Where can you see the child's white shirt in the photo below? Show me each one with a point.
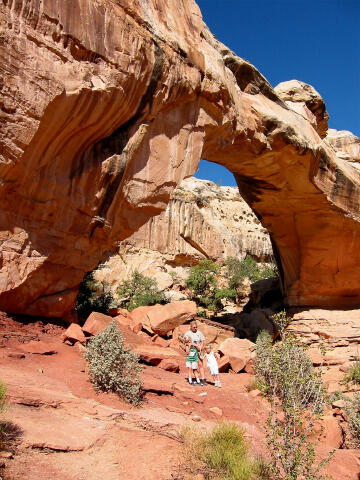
(212, 363)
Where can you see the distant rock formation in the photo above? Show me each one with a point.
(346, 146)
(107, 106)
(203, 220)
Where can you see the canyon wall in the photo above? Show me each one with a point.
(203, 220)
(106, 106)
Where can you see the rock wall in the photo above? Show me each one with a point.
(107, 106)
(203, 220)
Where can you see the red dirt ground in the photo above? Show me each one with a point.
(72, 433)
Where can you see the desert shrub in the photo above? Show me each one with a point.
(296, 394)
(112, 366)
(10, 432)
(281, 322)
(93, 296)
(353, 374)
(352, 410)
(237, 270)
(221, 453)
(201, 280)
(228, 293)
(139, 291)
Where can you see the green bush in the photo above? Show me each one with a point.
(294, 388)
(237, 270)
(93, 296)
(139, 291)
(352, 410)
(353, 374)
(281, 322)
(201, 280)
(224, 293)
(221, 454)
(112, 366)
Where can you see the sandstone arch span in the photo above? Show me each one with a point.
(107, 105)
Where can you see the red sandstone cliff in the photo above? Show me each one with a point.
(107, 106)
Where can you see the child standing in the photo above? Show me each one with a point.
(212, 365)
(192, 358)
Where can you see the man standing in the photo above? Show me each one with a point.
(198, 340)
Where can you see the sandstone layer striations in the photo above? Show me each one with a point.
(204, 220)
(107, 106)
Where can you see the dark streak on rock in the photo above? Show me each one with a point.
(249, 79)
(250, 189)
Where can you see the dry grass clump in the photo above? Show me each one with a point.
(221, 454)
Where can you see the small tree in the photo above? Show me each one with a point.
(112, 366)
(139, 291)
(202, 278)
(93, 296)
(296, 395)
(237, 270)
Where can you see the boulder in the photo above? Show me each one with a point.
(160, 341)
(123, 321)
(154, 385)
(74, 334)
(39, 348)
(163, 280)
(164, 318)
(223, 363)
(153, 354)
(239, 352)
(96, 322)
(134, 325)
(170, 364)
(139, 315)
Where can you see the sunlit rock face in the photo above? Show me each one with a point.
(107, 106)
(346, 146)
(204, 220)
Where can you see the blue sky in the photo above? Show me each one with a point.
(317, 42)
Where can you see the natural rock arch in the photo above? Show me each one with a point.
(107, 106)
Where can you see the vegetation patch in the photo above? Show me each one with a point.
(93, 296)
(237, 270)
(221, 454)
(202, 282)
(296, 394)
(112, 366)
(353, 374)
(139, 291)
